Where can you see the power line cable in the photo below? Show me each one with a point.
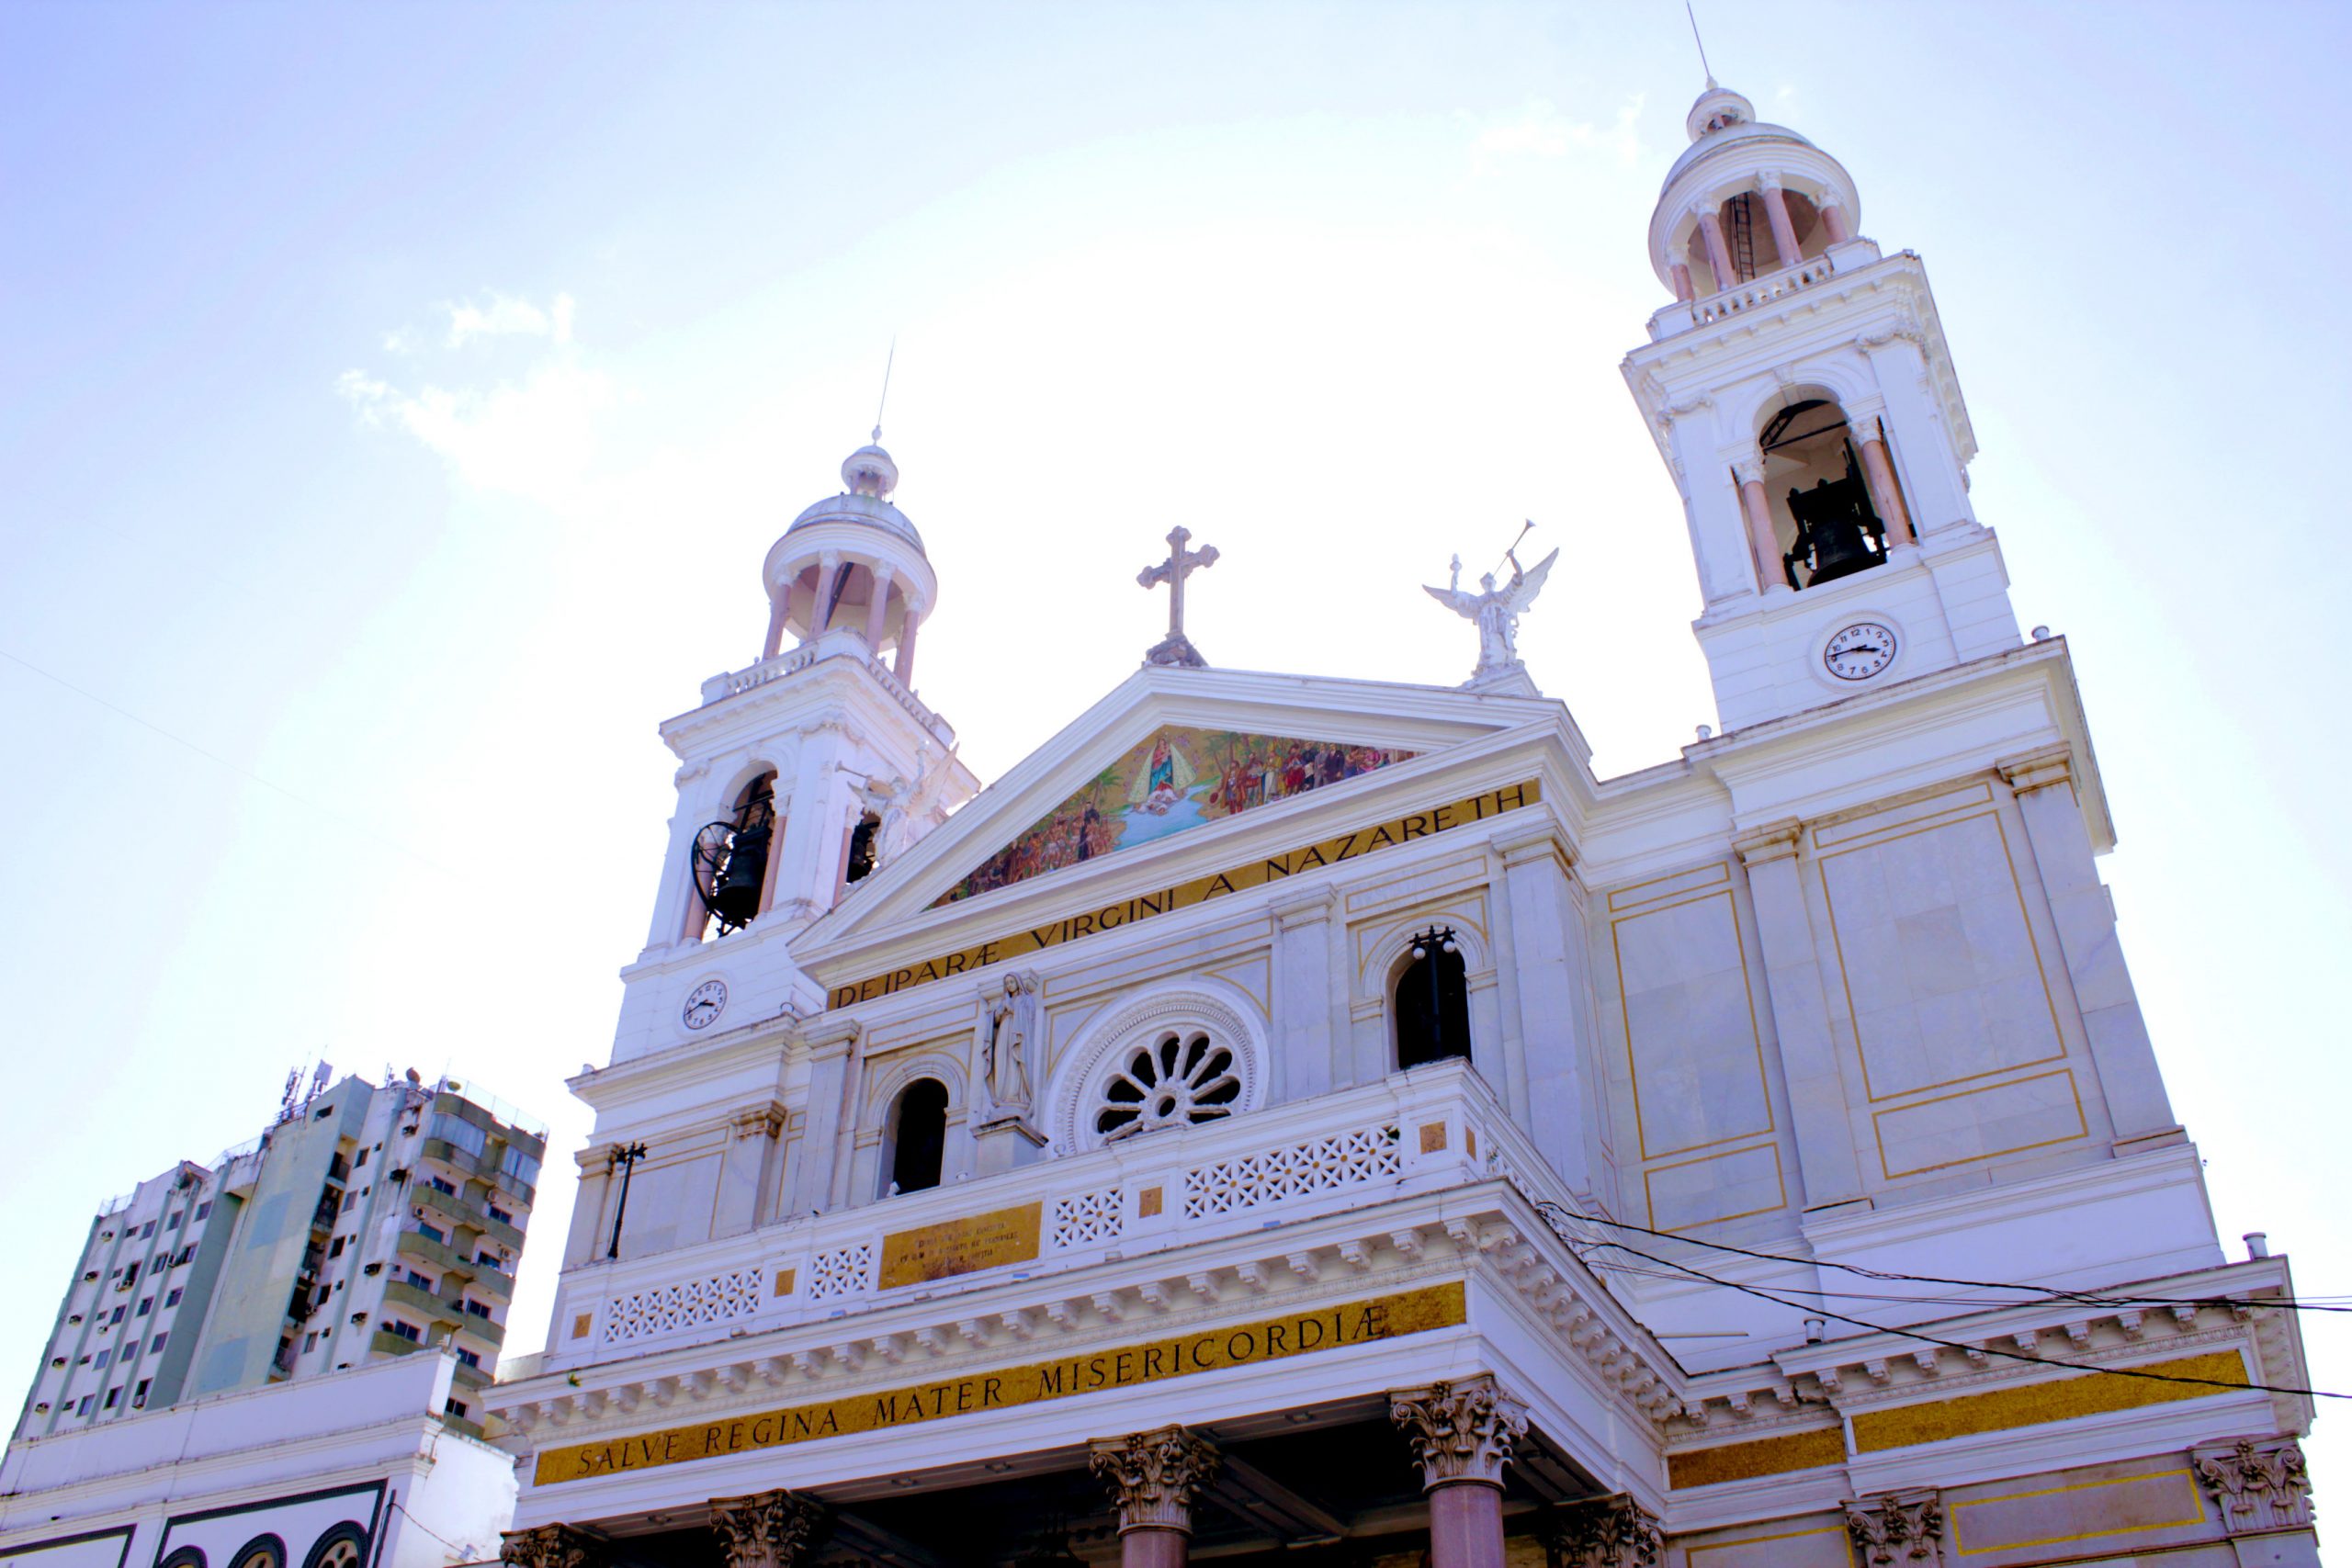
(2055, 1293)
(1553, 1213)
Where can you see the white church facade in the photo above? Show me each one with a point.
(1318, 1121)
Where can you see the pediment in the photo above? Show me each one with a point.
(1170, 756)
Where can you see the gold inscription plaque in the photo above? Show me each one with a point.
(1185, 894)
(1125, 1366)
(961, 1246)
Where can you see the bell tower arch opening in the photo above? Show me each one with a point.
(734, 862)
(1824, 523)
(1431, 995)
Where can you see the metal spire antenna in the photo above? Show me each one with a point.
(883, 402)
(1700, 41)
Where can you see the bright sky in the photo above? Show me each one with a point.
(398, 400)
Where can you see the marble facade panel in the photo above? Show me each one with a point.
(1979, 1123)
(1727, 1185)
(1692, 1043)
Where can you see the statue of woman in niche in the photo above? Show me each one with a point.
(1008, 1024)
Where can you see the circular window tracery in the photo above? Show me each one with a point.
(1179, 1080)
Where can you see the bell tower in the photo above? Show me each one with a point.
(800, 774)
(1800, 392)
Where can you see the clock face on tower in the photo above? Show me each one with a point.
(1859, 652)
(704, 1004)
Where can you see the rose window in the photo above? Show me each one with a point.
(1182, 1079)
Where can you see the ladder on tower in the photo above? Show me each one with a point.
(1743, 236)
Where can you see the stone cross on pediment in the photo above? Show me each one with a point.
(1175, 648)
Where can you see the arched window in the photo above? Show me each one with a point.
(917, 1135)
(1432, 1001)
(1820, 503)
(732, 859)
(344, 1546)
(262, 1551)
(862, 848)
(1182, 1077)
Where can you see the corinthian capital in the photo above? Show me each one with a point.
(550, 1546)
(1460, 1431)
(2259, 1484)
(1603, 1532)
(1906, 1527)
(1154, 1475)
(766, 1530)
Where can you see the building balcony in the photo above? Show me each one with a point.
(434, 1309)
(466, 1163)
(459, 1214)
(1434, 1129)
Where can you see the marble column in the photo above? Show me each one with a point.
(1678, 274)
(904, 668)
(1756, 509)
(878, 609)
(1711, 229)
(747, 1170)
(1776, 212)
(1878, 473)
(1833, 220)
(552, 1546)
(1155, 1476)
(2043, 784)
(829, 573)
(1613, 1531)
(1303, 1017)
(777, 600)
(1800, 1003)
(1462, 1433)
(766, 1530)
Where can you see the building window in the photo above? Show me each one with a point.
(476, 1307)
(404, 1330)
(174, 1299)
(444, 1187)
(433, 1233)
(203, 1208)
(523, 1167)
(84, 1408)
(155, 1346)
(146, 1304)
(345, 1546)
(503, 1216)
(262, 1551)
(171, 1220)
(349, 1199)
(113, 1396)
(118, 1316)
(360, 1161)
(1177, 1080)
(1432, 1001)
(139, 1394)
(917, 1135)
(466, 1356)
(309, 1341)
(103, 1357)
(335, 1248)
(454, 1407)
(146, 1230)
(419, 1280)
(187, 1255)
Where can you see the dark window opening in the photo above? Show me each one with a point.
(732, 859)
(917, 1135)
(860, 848)
(1810, 458)
(1433, 1001)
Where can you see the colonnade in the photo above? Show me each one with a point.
(1461, 1433)
(1774, 197)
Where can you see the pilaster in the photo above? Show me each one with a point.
(552, 1546)
(1553, 1099)
(2260, 1484)
(1301, 998)
(814, 1170)
(747, 1169)
(2043, 783)
(1902, 1529)
(1800, 1004)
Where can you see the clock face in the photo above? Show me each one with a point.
(1860, 652)
(704, 1004)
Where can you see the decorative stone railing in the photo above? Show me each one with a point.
(836, 644)
(1770, 290)
(1436, 1128)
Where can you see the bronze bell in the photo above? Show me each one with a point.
(735, 898)
(1838, 533)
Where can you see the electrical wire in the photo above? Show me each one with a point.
(2048, 1292)
(1554, 1213)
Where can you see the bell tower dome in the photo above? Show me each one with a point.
(1799, 389)
(801, 774)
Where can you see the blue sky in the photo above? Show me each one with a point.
(398, 400)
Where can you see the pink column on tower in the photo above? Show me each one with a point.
(1155, 1476)
(1886, 496)
(777, 600)
(1462, 1433)
(1754, 505)
(1710, 228)
(904, 667)
(1833, 220)
(876, 609)
(1680, 274)
(1776, 212)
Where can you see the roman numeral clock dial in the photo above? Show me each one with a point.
(1859, 652)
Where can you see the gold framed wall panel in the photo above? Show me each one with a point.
(1693, 1193)
(1879, 1082)
(1714, 874)
(1953, 1130)
(1848, 828)
(1376, 895)
(2054, 1516)
(1821, 1546)
(1666, 1051)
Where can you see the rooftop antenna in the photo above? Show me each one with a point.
(1701, 43)
(885, 384)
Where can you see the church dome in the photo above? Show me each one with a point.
(871, 475)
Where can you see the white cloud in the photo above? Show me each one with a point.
(1541, 131)
(532, 434)
(506, 315)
